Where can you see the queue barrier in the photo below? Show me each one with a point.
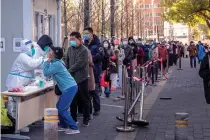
(133, 92)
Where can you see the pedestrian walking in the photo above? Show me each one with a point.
(192, 53)
(93, 44)
(77, 64)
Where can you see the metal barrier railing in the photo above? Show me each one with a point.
(133, 89)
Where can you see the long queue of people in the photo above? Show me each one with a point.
(87, 63)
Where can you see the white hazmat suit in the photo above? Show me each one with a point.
(22, 71)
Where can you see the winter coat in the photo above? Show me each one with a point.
(204, 73)
(77, 63)
(128, 55)
(121, 56)
(97, 53)
(192, 50)
(91, 79)
(201, 52)
(114, 64)
(163, 53)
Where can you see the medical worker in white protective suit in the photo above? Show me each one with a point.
(22, 73)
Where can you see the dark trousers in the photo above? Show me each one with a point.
(83, 97)
(193, 61)
(170, 59)
(95, 100)
(175, 57)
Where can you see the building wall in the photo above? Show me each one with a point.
(147, 10)
(51, 7)
(11, 27)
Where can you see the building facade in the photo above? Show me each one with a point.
(25, 19)
(152, 21)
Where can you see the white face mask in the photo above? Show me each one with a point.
(125, 43)
(106, 45)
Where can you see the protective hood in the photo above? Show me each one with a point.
(44, 40)
(26, 47)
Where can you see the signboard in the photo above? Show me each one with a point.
(2, 44)
(17, 42)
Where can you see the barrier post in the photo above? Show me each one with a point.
(125, 127)
(181, 126)
(50, 124)
(180, 63)
(123, 82)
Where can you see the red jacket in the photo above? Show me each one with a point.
(162, 53)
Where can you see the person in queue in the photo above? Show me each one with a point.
(93, 44)
(204, 73)
(134, 47)
(128, 56)
(91, 83)
(22, 73)
(192, 53)
(163, 53)
(108, 52)
(121, 57)
(55, 67)
(77, 64)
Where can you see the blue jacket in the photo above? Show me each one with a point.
(56, 68)
(96, 50)
(201, 52)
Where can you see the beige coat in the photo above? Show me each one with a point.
(91, 79)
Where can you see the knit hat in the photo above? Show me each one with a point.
(58, 52)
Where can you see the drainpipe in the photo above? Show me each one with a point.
(58, 22)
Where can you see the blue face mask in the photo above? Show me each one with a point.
(33, 51)
(46, 48)
(73, 43)
(86, 37)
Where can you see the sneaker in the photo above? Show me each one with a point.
(72, 132)
(79, 115)
(60, 129)
(86, 123)
(96, 113)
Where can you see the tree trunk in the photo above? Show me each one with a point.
(103, 21)
(86, 14)
(121, 20)
(127, 20)
(112, 24)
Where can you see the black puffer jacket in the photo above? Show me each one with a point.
(204, 73)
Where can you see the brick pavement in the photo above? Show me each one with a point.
(186, 89)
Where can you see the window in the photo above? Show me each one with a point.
(43, 25)
(146, 5)
(158, 14)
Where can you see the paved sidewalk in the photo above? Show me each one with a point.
(186, 89)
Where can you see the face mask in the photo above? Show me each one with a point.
(106, 45)
(125, 43)
(33, 51)
(139, 41)
(73, 43)
(46, 48)
(86, 37)
(131, 42)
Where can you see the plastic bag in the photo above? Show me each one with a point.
(7, 122)
(104, 83)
